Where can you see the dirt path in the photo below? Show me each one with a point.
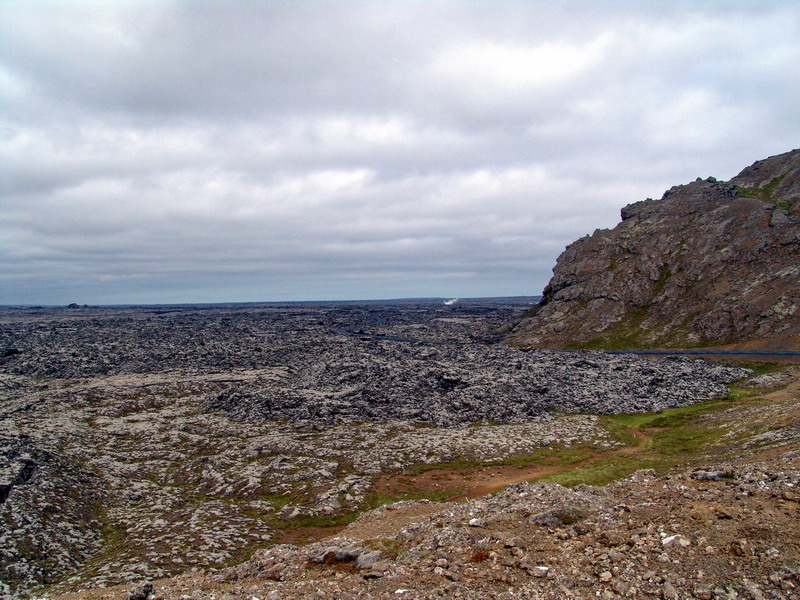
(644, 443)
(498, 481)
(480, 481)
(476, 482)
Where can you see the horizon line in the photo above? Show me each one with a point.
(76, 305)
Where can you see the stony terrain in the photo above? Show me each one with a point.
(725, 529)
(709, 264)
(138, 443)
(456, 385)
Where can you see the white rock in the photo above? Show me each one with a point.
(676, 540)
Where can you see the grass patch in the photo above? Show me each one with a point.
(599, 473)
(667, 439)
(305, 528)
(277, 500)
(759, 367)
(113, 537)
(629, 334)
(458, 464)
(374, 499)
(623, 335)
(736, 393)
(766, 193)
(561, 458)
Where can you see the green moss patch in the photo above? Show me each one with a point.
(667, 439)
(765, 193)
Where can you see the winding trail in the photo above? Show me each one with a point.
(475, 482)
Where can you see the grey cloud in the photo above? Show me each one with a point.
(188, 151)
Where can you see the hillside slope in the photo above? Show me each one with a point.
(721, 524)
(709, 264)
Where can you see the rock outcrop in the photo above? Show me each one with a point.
(709, 264)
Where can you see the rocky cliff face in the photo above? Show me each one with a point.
(710, 264)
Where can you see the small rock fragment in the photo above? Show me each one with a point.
(676, 540)
(141, 592)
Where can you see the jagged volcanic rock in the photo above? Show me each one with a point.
(47, 520)
(709, 264)
(141, 442)
(456, 385)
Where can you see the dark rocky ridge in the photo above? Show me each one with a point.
(709, 264)
(456, 385)
(453, 374)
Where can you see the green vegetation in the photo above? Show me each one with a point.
(622, 335)
(304, 528)
(114, 537)
(760, 368)
(662, 440)
(629, 334)
(736, 393)
(278, 501)
(765, 193)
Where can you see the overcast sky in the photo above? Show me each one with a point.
(255, 150)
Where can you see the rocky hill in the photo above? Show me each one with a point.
(709, 264)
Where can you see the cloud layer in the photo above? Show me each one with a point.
(245, 151)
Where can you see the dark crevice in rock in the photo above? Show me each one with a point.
(26, 473)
